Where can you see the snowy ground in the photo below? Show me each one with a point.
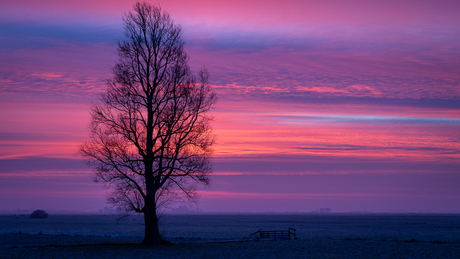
(223, 236)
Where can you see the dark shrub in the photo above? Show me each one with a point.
(39, 214)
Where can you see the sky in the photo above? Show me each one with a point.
(348, 105)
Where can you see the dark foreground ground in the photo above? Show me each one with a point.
(226, 236)
(52, 246)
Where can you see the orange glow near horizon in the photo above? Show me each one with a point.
(264, 134)
(242, 133)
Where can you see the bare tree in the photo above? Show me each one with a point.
(150, 133)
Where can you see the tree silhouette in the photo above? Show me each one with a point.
(150, 133)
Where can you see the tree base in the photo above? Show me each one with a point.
(161, 243)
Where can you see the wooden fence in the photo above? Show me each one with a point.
(276, 234)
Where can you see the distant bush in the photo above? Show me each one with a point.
(39, 214)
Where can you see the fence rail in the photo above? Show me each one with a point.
(276, 234)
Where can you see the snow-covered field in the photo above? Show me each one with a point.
(319, 236)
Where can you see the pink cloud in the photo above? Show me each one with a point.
(321, 89)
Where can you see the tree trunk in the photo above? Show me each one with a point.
(152, 232)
